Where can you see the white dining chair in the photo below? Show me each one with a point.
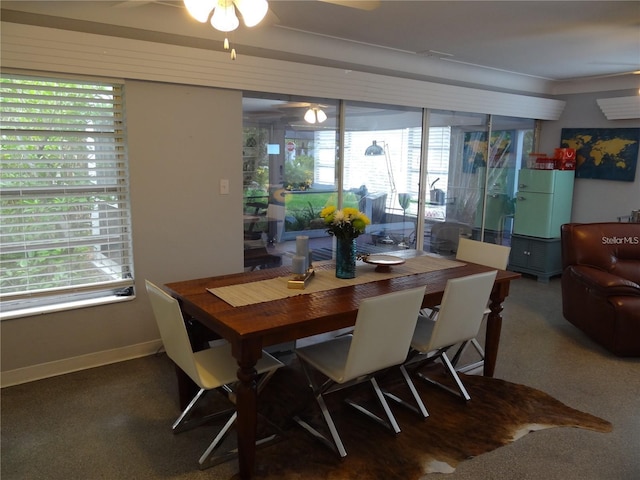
(212, 369)
(482, 253)
(458, 320)
(490, 255)
(380, 340)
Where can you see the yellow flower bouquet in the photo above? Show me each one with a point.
(347, 223)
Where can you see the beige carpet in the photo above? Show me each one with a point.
(498, 413)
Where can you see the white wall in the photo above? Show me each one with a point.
(182, 140)
(594, 200)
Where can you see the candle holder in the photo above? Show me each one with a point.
(299, 281)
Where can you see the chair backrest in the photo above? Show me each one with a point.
(383, 331)
(611, 247)
(445, 236)
(482, 253)
(462, 309)
(173, 330)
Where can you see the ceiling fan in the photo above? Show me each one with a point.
(222, 16)
(358, 4)
(299, 105)
(315, 112)
(140, 3)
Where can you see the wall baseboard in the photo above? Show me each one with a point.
(83, 362)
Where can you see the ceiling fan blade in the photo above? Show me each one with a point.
(132, 3)
(141, 3)
(359, 4)
(293, 105)
(300, 105)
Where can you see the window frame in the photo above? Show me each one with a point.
(66, 153)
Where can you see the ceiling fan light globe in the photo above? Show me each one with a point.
(320, 115)
(200, 9)
(252, 11)
(224, 17)
(310, 116)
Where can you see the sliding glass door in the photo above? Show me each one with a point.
(289, 166)
(457, 148)
(381, 173)
(420, 189)
(511, 142)
(472, 166)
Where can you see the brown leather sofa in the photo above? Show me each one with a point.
(601, 283)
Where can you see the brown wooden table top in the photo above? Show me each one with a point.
(295, 317)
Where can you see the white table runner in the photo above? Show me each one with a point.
(325, 279)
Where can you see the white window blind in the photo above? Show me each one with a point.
(65, 235)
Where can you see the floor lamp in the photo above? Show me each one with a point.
(404, 199)
(375, 150)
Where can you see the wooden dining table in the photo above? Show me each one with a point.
(252, 327)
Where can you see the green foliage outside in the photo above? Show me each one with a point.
(254, 147)
(303, 209)
(298, 173)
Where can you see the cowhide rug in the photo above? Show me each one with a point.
(499, 412)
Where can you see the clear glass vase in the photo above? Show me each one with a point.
(345, 257)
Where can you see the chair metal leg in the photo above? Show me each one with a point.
(461, 392)
(337, 444)
(207, 459)
(392, 424)
(262, 382)
(330, 386)
(477, 346)
(421, 409)
(430, 312)
(184, 422)
(471, 366)
(454, 375)
(456, 357)
(180, 424)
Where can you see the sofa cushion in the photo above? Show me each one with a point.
(604, 283)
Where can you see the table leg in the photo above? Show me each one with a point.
(247, 408)
(494, 327)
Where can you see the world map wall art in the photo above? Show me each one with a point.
(604, 153)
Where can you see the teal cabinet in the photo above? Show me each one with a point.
(541, 257)
(543, 202)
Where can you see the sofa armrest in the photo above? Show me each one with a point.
(602, 283)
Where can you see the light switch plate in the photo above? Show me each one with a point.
(224, 186)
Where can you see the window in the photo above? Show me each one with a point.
(289, 167)
(382, 148)
(65, 231)
(462, 180)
